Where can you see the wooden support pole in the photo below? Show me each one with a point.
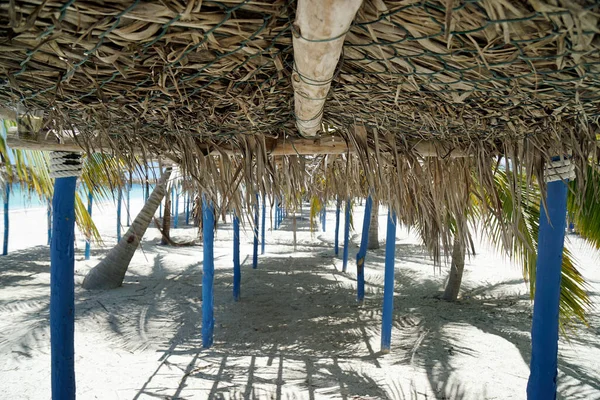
(6, 219)
(176, 214)
(208, 268)
(255, 230)
(88, 239)
(362, 252)
(337, 227)
(187, 209)
(49, 218)
(62, 289)
(264, 223)
(346, 236)
(172, 201)
(388, 285)
(276, 224)
(119, 204)
(324, 218)
(147, 186)
(237, 271)
(544, 330)
(129, 186)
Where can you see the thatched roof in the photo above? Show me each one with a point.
(504, 77)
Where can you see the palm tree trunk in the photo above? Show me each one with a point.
(373, 241)
(110, 272)
(166, 222)
(456, 270)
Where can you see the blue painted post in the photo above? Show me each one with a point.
(279, 214)
(187, 209)
(324, 218)
(119, 200)
(89, 239)
(6, 219)
(255, 249)
(62, 289)
(172, 203)
(128, 200)
(160, 209)
(337, 228)
(208, 232)
(147, 184)
(264, 222)
(49, 217)
(362, 252)
(237, 272)
(346, 236)
(388, 285)
(544, 330)
(276, 224)
(176, 215)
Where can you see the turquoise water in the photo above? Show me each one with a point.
(22, 199)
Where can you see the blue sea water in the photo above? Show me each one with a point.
(20, 199)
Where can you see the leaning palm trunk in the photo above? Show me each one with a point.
(456, 269)
(373, 242)
(110, 273)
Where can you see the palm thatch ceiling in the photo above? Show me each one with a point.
(459, 71)
(491, 78)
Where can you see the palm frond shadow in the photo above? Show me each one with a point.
(295, 300)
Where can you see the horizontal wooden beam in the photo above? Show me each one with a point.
(283, 147)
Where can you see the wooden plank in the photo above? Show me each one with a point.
(283, 147)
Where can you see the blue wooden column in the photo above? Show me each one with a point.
(172, 203)
(237, 271)
(255, 230)
(324, 218)
(187, 209)
(62, 273)
(337, 228)
(128, 200)
(276, 218)
(544, 330)
(346, 236)
(388, 285)
(119, 202)
(264, 223)
(176, 215)
(362, 252)
(89, 238)
(49, 217)
(208, 268)
(6, 219)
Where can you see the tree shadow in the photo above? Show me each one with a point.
(275, 334)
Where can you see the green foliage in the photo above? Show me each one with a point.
(584, 207)
(522, 246)
(315, 209)
(30, 169)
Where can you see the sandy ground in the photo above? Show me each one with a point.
(297, 332)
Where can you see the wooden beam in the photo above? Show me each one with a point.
(283, 147)
(318, 38)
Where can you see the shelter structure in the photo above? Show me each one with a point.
(415, 104)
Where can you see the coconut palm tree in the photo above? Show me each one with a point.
(373, 241)
(110, 272)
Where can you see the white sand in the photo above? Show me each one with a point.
(297, 332)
